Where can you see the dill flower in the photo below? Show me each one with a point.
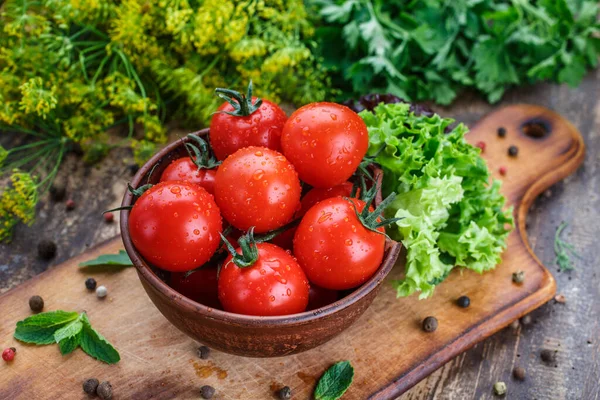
(36, 99)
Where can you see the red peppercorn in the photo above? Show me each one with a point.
(70, 204)
(481, 145)
(9, 354)
(109, 217)
(502, 171)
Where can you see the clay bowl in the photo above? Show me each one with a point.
(241, 334)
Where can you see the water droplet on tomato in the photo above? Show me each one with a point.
(258, 174)
(262, 272)
(288, 292)
(258, 153)
(271, 298)
(175, 214)
(196, 231)
(348, 242)
(175, 189)
(333, 116)
(324, 217)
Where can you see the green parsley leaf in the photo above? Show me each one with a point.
(94, 344)
(563, 250)
(121, 259)
(335, 381)
(40, 328)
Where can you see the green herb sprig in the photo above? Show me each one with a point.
(335, 381)
(70, 331)
(121, 259)
(563, 250)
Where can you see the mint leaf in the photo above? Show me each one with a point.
(120, 259)
(335, 381)
(40, 328)
(70, 330)
(94, 344)
(68, 345)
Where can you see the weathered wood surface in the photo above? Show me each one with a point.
(566, 327)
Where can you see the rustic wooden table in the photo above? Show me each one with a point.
(571, 328)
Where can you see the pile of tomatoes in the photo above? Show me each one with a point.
(270, 223)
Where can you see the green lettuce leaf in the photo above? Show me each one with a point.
(451, 214)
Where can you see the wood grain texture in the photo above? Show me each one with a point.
(389, 351)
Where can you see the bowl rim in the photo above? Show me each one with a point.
(392, 249)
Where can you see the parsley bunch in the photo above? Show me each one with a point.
(434, 49)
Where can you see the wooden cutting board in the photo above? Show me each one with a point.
(387, 347)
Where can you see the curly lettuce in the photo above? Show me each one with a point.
(451, 214)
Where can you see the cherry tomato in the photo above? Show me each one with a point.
(316, 195)
(229, 133)
(325, 142)
(200, 286)
(274, 285)
(319, 297)
(183, 169)
(257, 187)
(175, 225)
(334, 248)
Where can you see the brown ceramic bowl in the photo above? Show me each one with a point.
(238, 334)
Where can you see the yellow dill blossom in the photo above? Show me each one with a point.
(89, 121)
(248, 48)
(210, 22)
(17, 203)
(287, 57)
(153, 129)
(142, 150)
(36, 99)
(122, 94)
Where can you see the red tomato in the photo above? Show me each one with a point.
(175, 225)
(274, 285)
(326, 142)
(319, 297)
(229, 133)
(183, 169)
(316, 195)
(333, 247)
(257, 187)
(200, 286)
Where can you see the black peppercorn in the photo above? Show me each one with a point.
(104, 391)
(58, 192)
(285, 393)
(90, 385)
(46, 249)
(90, 284)
(430, 324)
(513, 151)
(463, 301)
(548, 356)
(204, 352)
(518, 277)
(36, 303)
(519, 373)
(207, 392)
(501, 132)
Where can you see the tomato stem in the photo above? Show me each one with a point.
(247, 243)
(202, 156)
(242, 104)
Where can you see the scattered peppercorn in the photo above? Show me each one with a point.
(101, 292)
(502, 171)
(548, 356)
(58, 192)
(36, 303)
(560, 298)
(104, 390)
(526, 320)
(518, 277)
(70, 204)
(204, 352)
(9, 354)
(463, 301)
(90, 283)
(499, 388)
(481, 145)
(285, 393)
(207, 392)
(46, 249)
(109, 217)
(501, 132)
(90, 385)
(513, 151)
(430, 324)
(519, 373)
